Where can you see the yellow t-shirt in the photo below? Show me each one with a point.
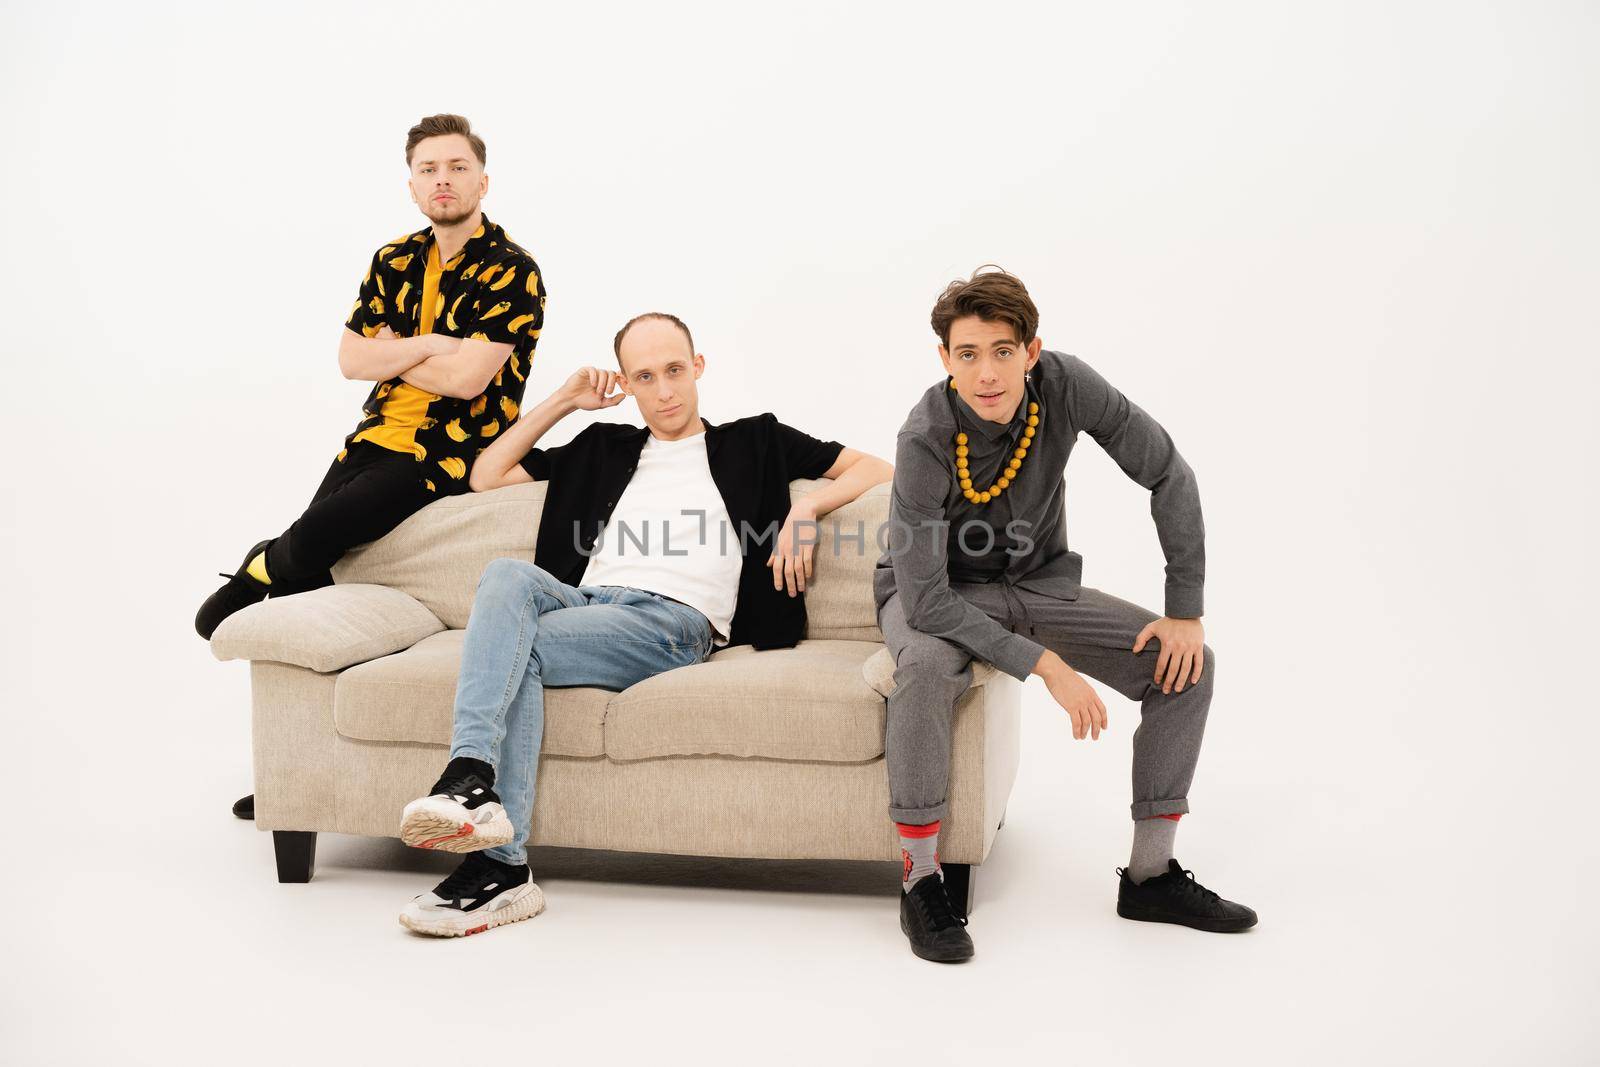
(406, 406)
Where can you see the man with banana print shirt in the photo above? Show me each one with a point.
(444, 326)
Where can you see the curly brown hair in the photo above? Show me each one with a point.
(993, 296)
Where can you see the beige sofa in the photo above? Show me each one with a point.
(775, 754)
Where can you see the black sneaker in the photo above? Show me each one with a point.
(461, 813)
(240, 591)
(482, 893)
(929, 920)
(245, 807)
(1175, 897)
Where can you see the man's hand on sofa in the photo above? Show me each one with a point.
(851, 475)
(1075, 695)
(797, 541)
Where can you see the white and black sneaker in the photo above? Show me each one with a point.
(482, 893)
(462, 813)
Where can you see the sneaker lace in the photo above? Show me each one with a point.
(1195, 887)
(935, 904)
(460, 786)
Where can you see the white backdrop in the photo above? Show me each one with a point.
(1346, 255)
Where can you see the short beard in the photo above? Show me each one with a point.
(445, 218)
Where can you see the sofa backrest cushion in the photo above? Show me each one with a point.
(839, 605)
(438, 554)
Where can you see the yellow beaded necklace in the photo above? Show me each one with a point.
(1008, 474)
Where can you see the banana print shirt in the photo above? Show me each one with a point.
(492, 291)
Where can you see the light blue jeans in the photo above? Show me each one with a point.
(527, 631)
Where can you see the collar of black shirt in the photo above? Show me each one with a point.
(972, 422)
(638, 435)
(476, 245)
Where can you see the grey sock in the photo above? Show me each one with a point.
(920, 853)
(1152, 847)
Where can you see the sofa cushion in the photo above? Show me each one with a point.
(804, 703)
(410, 696)
(325, 629)
(839, 604)
(880, 666)
(438, 554)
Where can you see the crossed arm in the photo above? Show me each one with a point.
(433, 362)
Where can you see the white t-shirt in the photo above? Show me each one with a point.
(670, 534)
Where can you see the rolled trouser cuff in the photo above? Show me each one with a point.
(919, 816)
(1149, 809)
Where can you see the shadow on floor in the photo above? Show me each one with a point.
(337, 852)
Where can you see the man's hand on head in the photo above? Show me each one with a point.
(791, 556)
(590, 389)
(1182, 651)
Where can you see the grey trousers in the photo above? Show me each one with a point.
(1095, 635)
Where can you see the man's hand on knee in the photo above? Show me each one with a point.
(1182, 655)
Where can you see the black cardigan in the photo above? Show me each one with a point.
(752, 462)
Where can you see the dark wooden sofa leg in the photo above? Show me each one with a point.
(297, 854)
(958, 883)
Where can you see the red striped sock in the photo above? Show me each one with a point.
(919, 850)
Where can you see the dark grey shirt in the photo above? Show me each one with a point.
(936, 536)
(987, 535)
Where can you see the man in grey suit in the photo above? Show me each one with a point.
(978, 568)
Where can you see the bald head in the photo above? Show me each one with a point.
(655, 330)
(659, 370)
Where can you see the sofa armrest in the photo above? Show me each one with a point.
(878, 671)
(326, 629)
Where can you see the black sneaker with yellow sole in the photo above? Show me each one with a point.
(239, 591)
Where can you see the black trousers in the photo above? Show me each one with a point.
(370, 493)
